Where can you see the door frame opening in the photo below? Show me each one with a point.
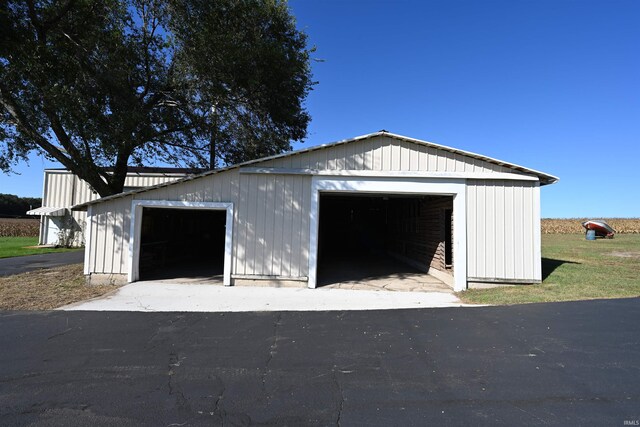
(136, 229)
(401, 185)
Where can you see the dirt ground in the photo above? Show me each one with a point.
(47, 289)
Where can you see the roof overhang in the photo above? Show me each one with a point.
(48, 211)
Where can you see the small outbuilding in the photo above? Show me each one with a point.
(300, 217)
(62, 190)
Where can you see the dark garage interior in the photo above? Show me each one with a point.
(363, 236)
(182, 243)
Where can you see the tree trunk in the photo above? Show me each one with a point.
(212, 152)
(214, 137)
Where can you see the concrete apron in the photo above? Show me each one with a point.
(400, 282)
(211, 296)
(403, 282)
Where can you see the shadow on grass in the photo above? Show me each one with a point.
(549, 265)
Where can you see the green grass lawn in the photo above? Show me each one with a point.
(17, 246)
(575, 269)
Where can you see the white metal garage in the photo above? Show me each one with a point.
(463, 217)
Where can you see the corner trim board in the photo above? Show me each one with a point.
(88, 240)
(537, 239)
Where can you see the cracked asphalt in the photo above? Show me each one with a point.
(561, 363)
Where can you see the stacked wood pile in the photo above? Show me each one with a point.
(574, 225)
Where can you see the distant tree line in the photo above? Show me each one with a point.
(12, 206)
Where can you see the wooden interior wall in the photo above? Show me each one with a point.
(416, 230)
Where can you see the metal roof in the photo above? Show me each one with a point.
(144, 170)
(48, 211)
(543, 177)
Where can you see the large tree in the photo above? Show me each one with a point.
(196, 83)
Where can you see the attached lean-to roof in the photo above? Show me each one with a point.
(48, 211)
(543, 177)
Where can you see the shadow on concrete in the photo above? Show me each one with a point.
(196, 269)
(345, 266)
(549, 265)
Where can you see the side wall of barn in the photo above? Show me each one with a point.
(63, 189)
(503, 231)
(270, 233)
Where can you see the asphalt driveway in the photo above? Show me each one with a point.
(24, 264)
(559, 364)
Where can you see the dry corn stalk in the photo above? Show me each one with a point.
(19, 227)
(574, 225)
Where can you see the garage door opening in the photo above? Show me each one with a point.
(372, 237)
(182, 244)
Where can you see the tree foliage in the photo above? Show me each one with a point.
(193, 83)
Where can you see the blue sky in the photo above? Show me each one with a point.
(550, 85)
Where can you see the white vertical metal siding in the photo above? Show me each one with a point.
(501, 230)
(108, 249)
(384, 153)
(271, 211)
(271, 235)
(64, 189)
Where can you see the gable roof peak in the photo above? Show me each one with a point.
(543, 177)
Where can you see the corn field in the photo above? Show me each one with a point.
(574, 225)
(18, 227)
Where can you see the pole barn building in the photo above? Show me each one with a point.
(464, 218)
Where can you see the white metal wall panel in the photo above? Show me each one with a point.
(64, 189)
(271, 231)
(501, 229)
(108, 249)
(385, 154)
(57, 189)
(141, 179)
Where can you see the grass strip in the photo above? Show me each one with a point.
(574, 269)
(19, 246)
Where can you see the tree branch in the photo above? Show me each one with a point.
(169, 131)
(147, 40)
(184, 146)
(63, 11)
(61, 134)
(33, 16)
(21, 122)
(88, 172)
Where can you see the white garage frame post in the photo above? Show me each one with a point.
(136, 227)
(373, 185)
(88, 239)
